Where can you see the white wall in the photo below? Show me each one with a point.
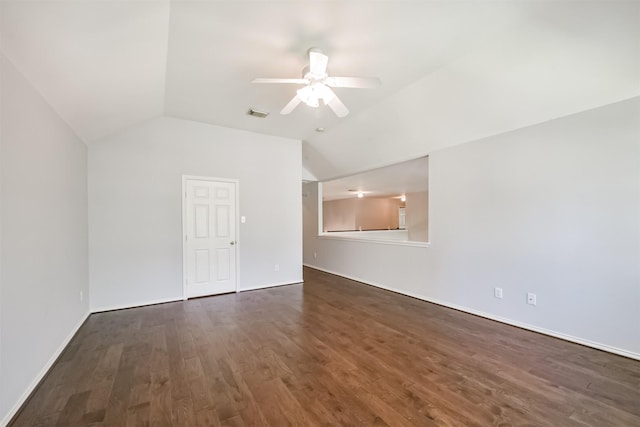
(135, 207)
(417, 216)
(383, 236)
(307, 176)
(551, 209)
(44, 237)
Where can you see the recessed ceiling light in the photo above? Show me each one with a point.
(360, 194)
(319, 129)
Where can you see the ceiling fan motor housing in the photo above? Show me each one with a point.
(318, 85)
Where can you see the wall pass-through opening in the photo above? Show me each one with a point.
(385, 204)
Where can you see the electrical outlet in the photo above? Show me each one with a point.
(531, 298)
(81, 296)
(497, 292)
(315, 255)
(276, 267)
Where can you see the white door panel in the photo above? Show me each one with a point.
(210, 241)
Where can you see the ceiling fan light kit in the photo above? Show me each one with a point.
(318, 85)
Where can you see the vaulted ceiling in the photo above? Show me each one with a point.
(452, 71)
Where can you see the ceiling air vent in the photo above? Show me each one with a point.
(256, 113)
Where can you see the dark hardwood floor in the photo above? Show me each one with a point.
(331, 352)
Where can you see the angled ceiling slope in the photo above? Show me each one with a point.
(492, 66)
(101, 65)
(566, 57)
(217, 48)
(105, 66)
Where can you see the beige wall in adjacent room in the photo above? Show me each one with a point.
(417, 216)
(370, 213)
(377, 214)
(339, 215)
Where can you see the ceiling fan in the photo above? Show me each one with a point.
(318, 85)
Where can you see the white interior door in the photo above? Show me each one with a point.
(402, 219)
(210, 237)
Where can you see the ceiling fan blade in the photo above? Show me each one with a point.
(334, 103)
(269, 80)
(291, 105)
(355, 82)
(317, 62)
(338, 107)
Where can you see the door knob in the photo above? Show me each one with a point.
(232, 243)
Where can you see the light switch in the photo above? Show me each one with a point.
(243, 219)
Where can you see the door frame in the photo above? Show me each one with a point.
(184, 226)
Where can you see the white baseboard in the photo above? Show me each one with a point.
(43, 372)
(135, 304)
(175, 299)
(273, 285)
(555, 334)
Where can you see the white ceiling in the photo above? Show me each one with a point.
(401, 178)
(490, 65)
(100, 64)
(217, 48)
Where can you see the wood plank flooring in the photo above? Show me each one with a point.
(331, 352)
